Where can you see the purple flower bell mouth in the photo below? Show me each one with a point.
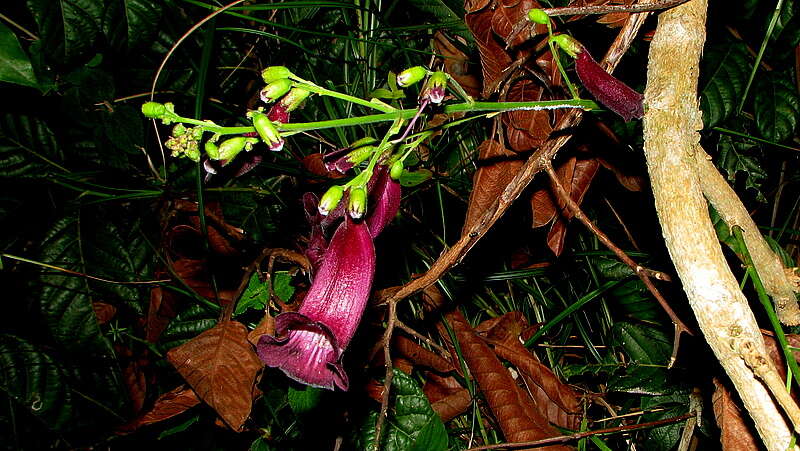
(308, 344)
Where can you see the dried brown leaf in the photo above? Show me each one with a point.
(456, 64)
(559, 402)
(735, 434)
(575, 176)
(630, 182)
(514, 410)
(494, 58)
(221, 367)
(421, 356)
(314, 164)
(496, 168)
(508, 13)
(439, 387)
(265, 327)
(168, 405)
(453, 405)
(103, 311)
(525, 129)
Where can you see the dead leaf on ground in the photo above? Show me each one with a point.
(496, 168)
(103, 311)
(735, 434)
(168, 405)
(221, 367)
(507, 13)
(494, 58)
(559, 402)
(420, 356)
(314, 164)
(514, 410)
(456, 64)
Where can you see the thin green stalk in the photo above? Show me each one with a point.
(571, 309)
(753, 138)
(760, 55)
(764, 298)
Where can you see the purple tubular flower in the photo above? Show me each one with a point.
(384, 201)
(308, 344)
(608, 90)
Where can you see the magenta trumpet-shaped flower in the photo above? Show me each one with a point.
(308, 344)
(384, 200)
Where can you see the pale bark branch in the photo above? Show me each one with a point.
(671, 136)
(767, 264)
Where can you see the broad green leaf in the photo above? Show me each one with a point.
(725, 70)
(411, 423)
(777, 107)
(414, 178)
(33, 380)
(737, 156)
(612, 268)
(304, 399)
(674, 403)
(187, 325)
(633, 300)
(67, 27)
(65, 301)
(15, 66)
(648, 351)
(450, 14)
(131, 22)
(256, 295)
(28, 148)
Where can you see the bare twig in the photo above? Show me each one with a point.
(643, 273)
(580, 435)
(387, 381)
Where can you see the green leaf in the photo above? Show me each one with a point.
(450, 14)
(648, 351)
(674, 403)
(612, 268)
(131, 23)
(27, 148)
(15, 66)
(777, 107)
(411, 423)
(186, 325)
(633, 300)
(725, 70)
(33, 380)
(305, 399)
(67, 27)
(256, 295)
(414, 178)
(785, 19)
(65, 301)
(737, 156)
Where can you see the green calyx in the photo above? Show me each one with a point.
(568, 44)
(275, 90)
(396, 170)
(294, 98)
(211, 150)
(411, 75)
(358, 202)
(330, 199)
(265, 128)
(232, 146)
(538, 16)
(153, 110)
(274, 73)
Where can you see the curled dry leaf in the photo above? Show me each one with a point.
(494, 58)
(103, 311)
(314, 164)
(514, 410)
(496, 168)
(559, 402)
(456, 64)
(453, 405)
(221, 367)
(507, 13)
(735, 434)
(421, 356)
(168, 405)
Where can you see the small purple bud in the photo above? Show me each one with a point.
(434, 88)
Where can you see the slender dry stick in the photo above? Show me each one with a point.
(580, 435)
(640, 271)
(387, 381)
(404, 327)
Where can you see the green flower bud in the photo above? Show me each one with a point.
(193, 152)
(538, 16)
(178, 130)
(294, 98)
(434, 88)
(153, 110)
(360, 154)
(275, 90)
(568, 44)
(363, 142)
(396, 170)
(330, 199)
(411, 75)
(266, 130)
(212, 150)
(232, 146)
(358, 202)
(274, 73)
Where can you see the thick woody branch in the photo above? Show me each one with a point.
(671, 137)
(732, 211)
